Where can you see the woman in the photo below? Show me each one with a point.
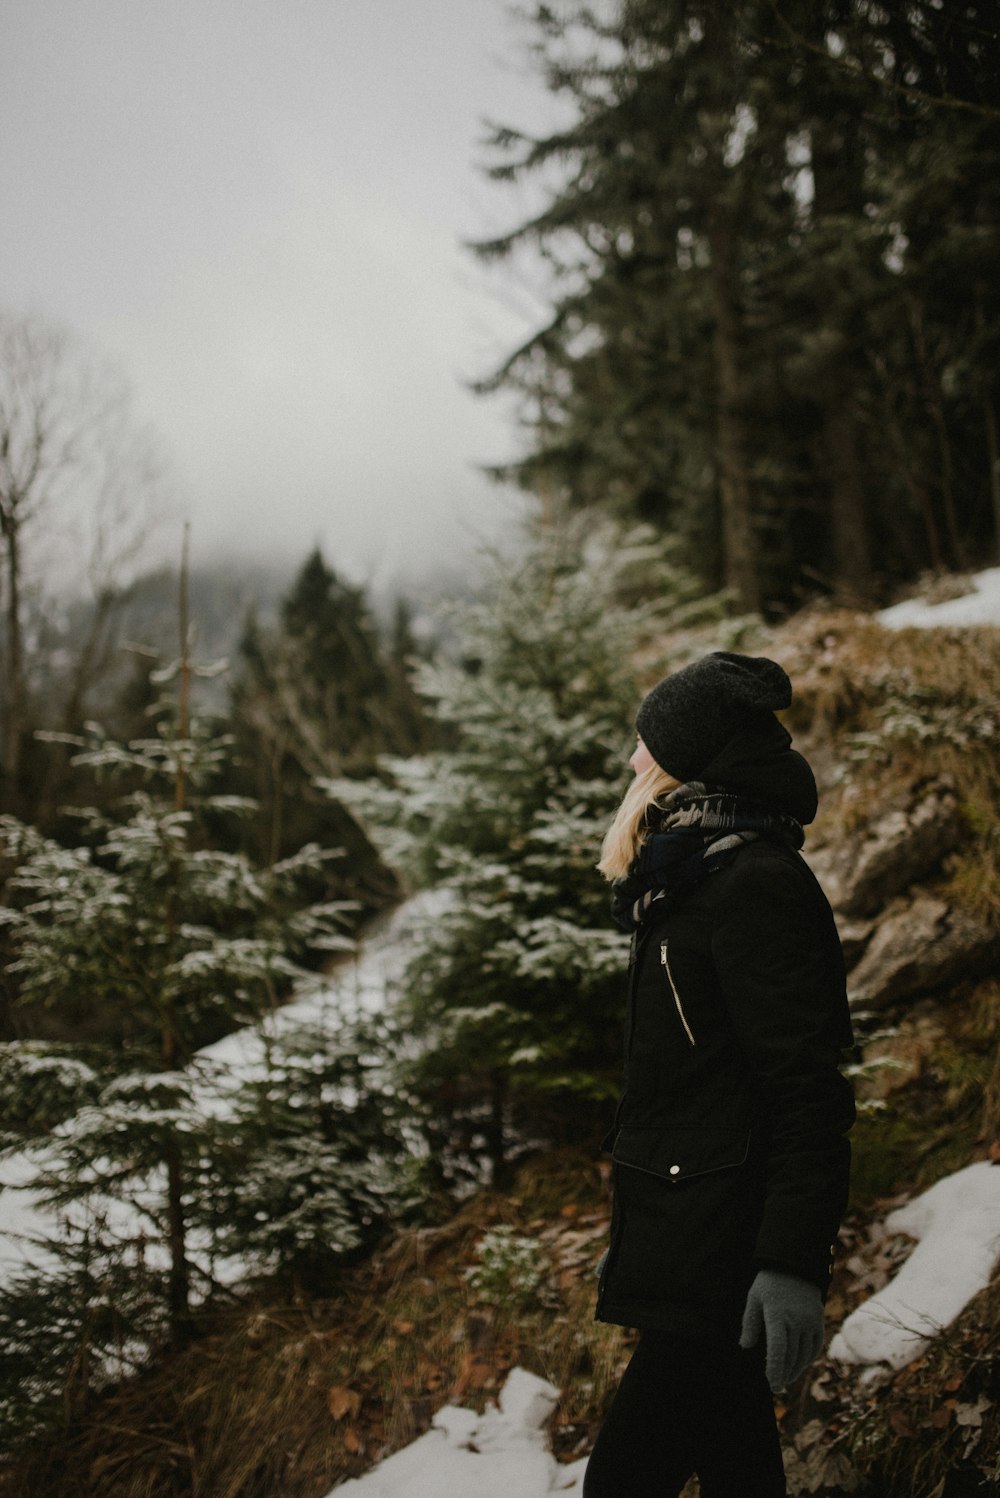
(729, 1147)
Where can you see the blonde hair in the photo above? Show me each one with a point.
(627, 832)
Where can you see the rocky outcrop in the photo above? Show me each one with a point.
(921, 945)
(897, 849)
(854, 938)
(902, 941)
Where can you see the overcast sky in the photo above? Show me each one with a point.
(256, 207)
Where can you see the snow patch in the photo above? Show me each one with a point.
(366, 984)
(499, 1454)
(980, 606)
(957, 1223)
(23, 1217)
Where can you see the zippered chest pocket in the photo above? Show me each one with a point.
(674, 991)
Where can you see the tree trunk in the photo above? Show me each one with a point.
(848, 518)
(496, 1143)
(740, 554)
(992, 440)
(837, 162)
(15, 691)
(993, 451)
(179, 1278)
(934, 405)
(741, 570)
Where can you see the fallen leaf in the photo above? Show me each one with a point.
(900, 1423)
(476, 1372)
(972, 1414)
(404, 1327)
(342, 1401)
(809, 1435)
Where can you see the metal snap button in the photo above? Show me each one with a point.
(675, 1170)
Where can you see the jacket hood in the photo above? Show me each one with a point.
(761, 763)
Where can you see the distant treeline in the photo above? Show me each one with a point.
(773, 231)
(316, 687)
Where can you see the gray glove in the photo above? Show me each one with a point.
(789, 1312)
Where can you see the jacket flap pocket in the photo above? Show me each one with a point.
(677, 1154)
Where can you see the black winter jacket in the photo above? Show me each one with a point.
(729, 1146)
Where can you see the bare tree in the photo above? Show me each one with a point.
(80, 479)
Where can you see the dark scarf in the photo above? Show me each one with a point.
(693, 832)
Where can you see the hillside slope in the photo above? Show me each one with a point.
(284, 1400)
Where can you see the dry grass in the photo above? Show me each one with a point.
(845, 666)
(284, 1398)
(943, 1117)
(934, 1427)
(290, 1398)
(882, 712)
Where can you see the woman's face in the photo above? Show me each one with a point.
(641, 759)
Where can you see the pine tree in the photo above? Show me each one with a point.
(773, 321)
(290, 1167)
(166, 1174)
(641, 376)
(167, 1171)
(315, 1151)
(513, 991)
(184, 941)
(320, 695)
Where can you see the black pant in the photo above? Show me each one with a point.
(686, 1406)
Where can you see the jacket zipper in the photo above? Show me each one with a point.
(665, 959)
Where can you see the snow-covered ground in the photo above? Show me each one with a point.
(957, 1224)
(365, 983)
(981, 605)
(503, 1452)
(499, 1454)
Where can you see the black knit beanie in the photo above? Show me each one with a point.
(690, 716)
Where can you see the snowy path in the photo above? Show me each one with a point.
(499, 1454)
(364, 984)
(503, 1453)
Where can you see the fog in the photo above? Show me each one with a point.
(258, 212)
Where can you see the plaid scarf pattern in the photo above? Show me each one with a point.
(693, 832)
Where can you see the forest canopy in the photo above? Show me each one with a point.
(771, 231)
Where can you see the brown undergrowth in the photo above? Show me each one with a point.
(884, 711)
(290, 1399)
(287, 1396)
(278, 1397)
(931, 1430)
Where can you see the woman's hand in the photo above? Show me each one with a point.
(789, 1312)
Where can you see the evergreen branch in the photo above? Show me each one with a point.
(857, 69)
